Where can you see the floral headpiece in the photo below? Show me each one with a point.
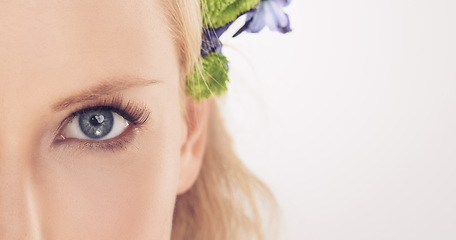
(211, 74)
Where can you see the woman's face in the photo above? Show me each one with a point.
(111, 171)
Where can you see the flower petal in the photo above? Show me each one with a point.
(277, 19)
(285, 27)
(282, 3)
(257, 20)
(279, 14)
(211, 42)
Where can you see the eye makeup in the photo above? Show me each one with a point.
(136, 114)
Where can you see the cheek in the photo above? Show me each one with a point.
(114, 195)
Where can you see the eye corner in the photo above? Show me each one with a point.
(119, 142)
(126, 121)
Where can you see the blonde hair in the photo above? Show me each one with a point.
(227, 201)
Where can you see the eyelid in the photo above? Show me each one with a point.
(73, 128)
(114, 144)
(134, 113)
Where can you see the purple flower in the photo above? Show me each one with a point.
(211, 40)
(266, 12)
(270, 13)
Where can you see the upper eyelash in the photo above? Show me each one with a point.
(133, 112)
(136, 114)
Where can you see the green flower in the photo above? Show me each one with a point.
(208, 77)
(218, 13)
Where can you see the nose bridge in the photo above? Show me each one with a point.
(19, 136)
(17, 209)
(19, 108)
(18, 214)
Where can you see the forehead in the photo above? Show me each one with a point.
(69, 44)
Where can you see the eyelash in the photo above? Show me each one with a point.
(135, 113)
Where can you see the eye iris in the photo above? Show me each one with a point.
(96, 124)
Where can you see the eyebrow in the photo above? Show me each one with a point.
(107, 87)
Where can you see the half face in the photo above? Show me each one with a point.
(91, 130)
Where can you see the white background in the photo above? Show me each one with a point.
(350, 119)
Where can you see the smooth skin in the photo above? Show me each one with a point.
(57, 57)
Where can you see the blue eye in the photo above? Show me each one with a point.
(95, 125)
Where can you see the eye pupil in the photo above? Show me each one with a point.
(96, 120)
(97, 123)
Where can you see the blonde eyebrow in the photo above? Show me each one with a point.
(107, 87)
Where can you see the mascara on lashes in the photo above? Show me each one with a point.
(134, 113)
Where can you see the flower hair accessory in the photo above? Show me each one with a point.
(210, 75)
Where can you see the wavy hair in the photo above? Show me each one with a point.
(227, 201)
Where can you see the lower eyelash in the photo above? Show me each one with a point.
(116, 144)
(135, 113)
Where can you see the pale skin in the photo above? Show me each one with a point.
(57, 57)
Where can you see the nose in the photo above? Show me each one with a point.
(18, 212)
